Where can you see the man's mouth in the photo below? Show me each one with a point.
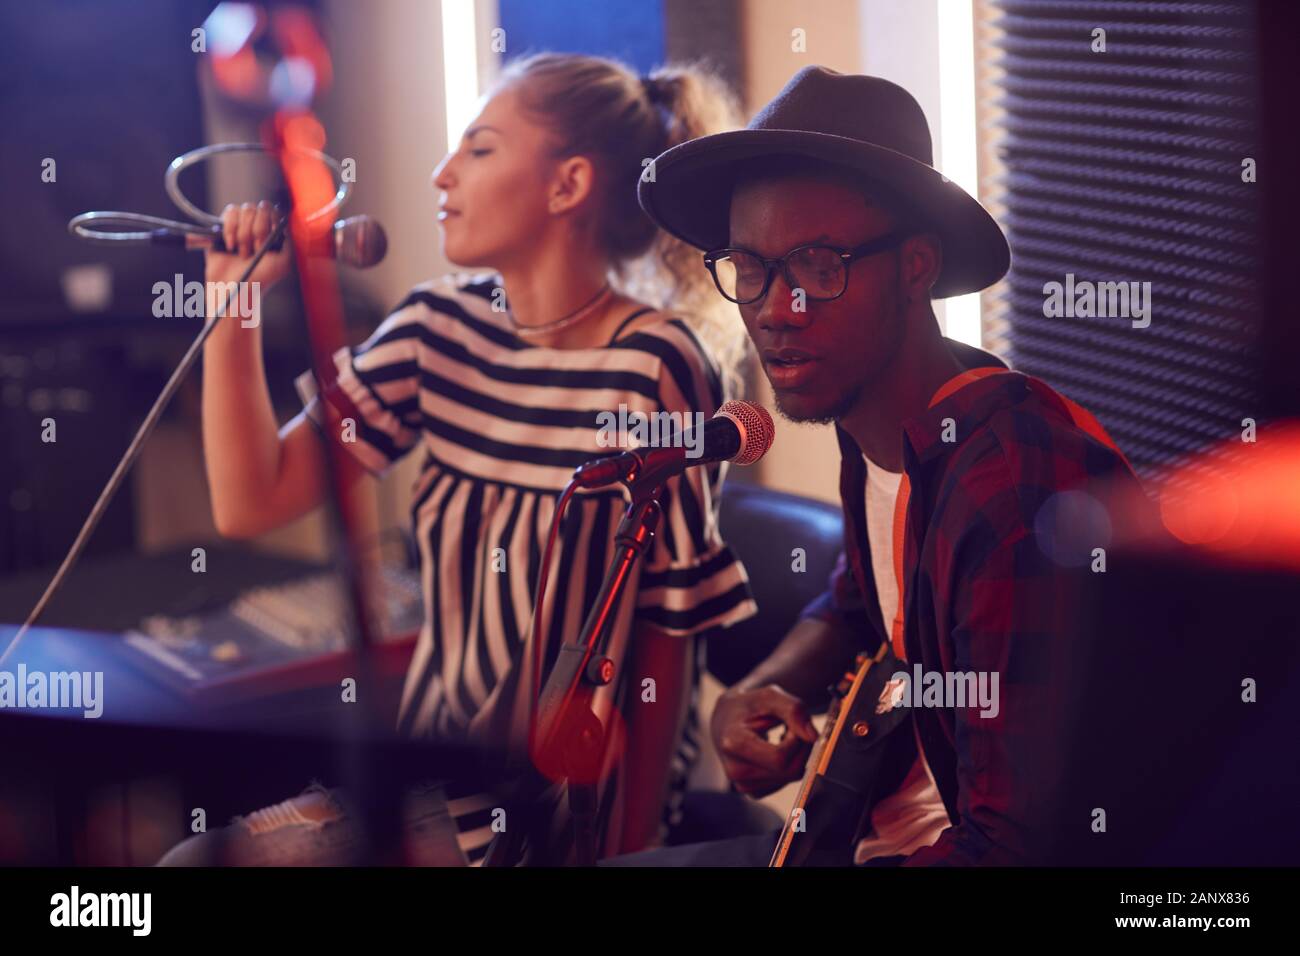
(788, 368)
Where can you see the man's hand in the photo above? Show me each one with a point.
(740, 724)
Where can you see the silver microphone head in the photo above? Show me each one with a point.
(757, 432)
(360, 242)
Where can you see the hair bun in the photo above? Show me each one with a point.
(653, 88)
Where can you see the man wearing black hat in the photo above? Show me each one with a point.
(827, 223)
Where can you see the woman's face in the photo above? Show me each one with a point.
(495, 199)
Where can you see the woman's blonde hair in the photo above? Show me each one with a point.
(599, 108)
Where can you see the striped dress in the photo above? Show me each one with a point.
(500, 425)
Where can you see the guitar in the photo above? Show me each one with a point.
(857, 759)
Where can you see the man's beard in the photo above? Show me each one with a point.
(841, 407)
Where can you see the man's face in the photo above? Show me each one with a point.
(820, 359)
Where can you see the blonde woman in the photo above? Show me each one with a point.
(496, 383)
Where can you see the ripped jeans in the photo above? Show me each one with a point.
(318, 828)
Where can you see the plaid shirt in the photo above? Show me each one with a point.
(982, 593)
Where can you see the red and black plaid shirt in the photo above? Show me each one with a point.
(993, 558)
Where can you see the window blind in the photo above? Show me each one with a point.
(1120, 136)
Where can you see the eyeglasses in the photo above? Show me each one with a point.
(822, 272)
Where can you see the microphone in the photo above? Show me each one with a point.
(358, 241)
(741, 432)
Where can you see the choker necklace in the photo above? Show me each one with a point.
(564, 321)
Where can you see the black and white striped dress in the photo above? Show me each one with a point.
(500, 425)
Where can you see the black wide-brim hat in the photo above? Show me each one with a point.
(871, 127)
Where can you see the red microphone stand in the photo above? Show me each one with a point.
(569, 741)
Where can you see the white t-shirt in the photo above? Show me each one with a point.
(912, 816)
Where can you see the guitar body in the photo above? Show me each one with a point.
(861, 755)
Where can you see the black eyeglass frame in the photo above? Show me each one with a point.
(849, 256)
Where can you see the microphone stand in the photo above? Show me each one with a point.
(571, 742)
(141, 436)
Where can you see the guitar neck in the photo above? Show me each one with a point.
(819, 759)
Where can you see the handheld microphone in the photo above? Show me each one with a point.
(358, 241)
(741, 432)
